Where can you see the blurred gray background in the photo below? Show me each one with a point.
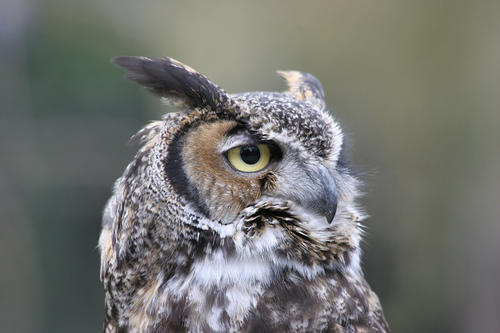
(415, 84)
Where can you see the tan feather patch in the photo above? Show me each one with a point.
(225, 191)
(139, 318)
(106, 247)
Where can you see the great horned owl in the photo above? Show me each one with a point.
(238, 214)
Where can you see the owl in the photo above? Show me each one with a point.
(237, 214)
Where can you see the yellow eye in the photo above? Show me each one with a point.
(249, 158)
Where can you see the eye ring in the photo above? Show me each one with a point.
(249, 158)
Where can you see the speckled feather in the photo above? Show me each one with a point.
(189, 245)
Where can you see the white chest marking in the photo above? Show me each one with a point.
(217, 270)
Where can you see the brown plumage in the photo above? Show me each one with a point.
(237, 214)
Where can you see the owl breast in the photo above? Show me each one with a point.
(250, 281)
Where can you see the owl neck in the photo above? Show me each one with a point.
(282, 241)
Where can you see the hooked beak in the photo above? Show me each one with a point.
(313, 188)
(324, 201)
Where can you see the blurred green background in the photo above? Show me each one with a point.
(415, 84)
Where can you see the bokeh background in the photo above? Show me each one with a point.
(415, 84)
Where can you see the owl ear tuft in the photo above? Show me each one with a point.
(173, 80)
(304, 87)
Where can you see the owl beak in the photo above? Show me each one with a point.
(325, 200)
(320, 196)
(331, 207)
(312, 187)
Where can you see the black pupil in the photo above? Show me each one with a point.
(250, 154)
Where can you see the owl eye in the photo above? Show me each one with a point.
(249, 158)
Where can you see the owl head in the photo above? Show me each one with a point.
(259, 168)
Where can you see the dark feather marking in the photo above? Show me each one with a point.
(332, 254)
(216, 297)
(174, 321)
(241, 126)
(228, 247)
(281, 295)
(122, 330)
(169, 78)
(175, 171)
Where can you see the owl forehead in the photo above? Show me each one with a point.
(280, 116)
